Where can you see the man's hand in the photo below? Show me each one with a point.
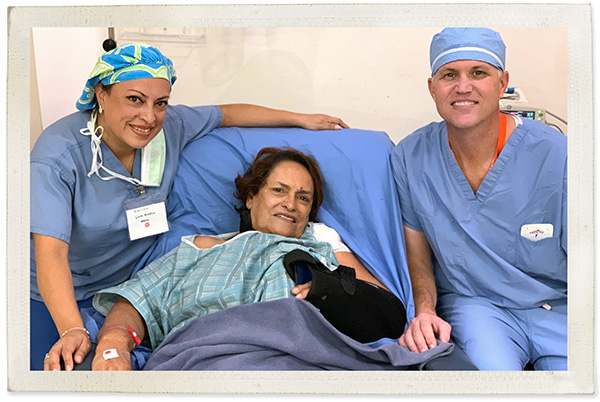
(422, 331)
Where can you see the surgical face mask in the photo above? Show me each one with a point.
(153, 157)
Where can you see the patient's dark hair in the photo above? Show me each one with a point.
(264, 163)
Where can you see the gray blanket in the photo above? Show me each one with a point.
(286, 334)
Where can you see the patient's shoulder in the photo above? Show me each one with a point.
(322, 232)
(207, 241)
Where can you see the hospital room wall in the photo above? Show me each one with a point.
(373, 78)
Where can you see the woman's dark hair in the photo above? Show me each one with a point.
(264, 163)
(107, 88)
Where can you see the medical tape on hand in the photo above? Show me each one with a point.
(110, 354)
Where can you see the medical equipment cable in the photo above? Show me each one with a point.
(557, 117)
(555, 126)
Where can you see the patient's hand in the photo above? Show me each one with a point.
(301, 291)
(422, 331)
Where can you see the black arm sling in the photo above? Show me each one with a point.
(356, 308)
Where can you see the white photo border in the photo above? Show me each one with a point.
(579, 379)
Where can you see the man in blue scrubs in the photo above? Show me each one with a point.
(484, 205)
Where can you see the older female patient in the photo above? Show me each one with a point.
(281, 193)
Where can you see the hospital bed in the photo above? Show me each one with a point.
(360, 203)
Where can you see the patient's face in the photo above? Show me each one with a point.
(283, 203)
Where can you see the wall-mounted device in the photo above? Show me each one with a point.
(514, 102)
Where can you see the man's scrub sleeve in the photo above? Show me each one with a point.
(409, 216)
(564, 212)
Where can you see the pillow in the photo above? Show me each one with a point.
(360, 198)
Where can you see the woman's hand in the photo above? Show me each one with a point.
(301, 291)
(112, 359)
(321, 122)
(72, 348)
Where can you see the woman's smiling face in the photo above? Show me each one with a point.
(283, 204)
(133, 112)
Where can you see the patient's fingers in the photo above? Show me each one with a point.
(301, 291)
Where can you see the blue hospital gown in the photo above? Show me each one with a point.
(189, 282)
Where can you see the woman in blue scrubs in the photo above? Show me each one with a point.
(99, 182)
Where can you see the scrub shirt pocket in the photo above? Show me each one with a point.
(92, 239)
(540, 258)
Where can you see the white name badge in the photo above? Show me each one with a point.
(147, 220)
(537, 231)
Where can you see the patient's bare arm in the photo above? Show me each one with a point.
(348, 259)
(115, 342)
(207, 241)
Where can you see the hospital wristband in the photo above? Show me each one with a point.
(136, 339)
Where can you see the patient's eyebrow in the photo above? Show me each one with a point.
(301, 191)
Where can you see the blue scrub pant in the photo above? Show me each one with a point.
(42, 331)
(497, 338)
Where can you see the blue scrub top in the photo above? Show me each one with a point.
(476, 237)
(87, 212)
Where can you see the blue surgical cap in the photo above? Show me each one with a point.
(453, 44)
(127, 62)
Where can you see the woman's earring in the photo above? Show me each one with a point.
(99, 109)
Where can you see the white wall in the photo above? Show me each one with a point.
(373, 78)
(64, 58)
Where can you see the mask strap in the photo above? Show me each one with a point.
(95, 134)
